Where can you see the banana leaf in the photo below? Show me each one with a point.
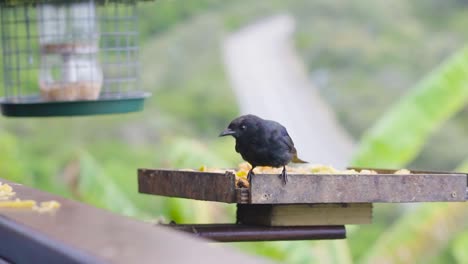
(419, 235)
(398, 137)
(396, 140)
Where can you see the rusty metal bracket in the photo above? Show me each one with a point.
(243, 233)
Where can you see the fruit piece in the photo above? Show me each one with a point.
(6, 191)
(47, 206)
(28, 204)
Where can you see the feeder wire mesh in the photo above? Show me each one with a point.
(69, 51)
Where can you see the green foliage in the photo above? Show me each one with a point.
(399, 136)
(420, 235)
(95, 187)
(12, 166)
(159, 16)
(320, 252)
(332, 252)
(362, 237)
(394, 141)
(369, 56)
(460, 244)
(188, 153)
(194, 92)
(463, 167)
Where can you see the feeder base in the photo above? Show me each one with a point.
(107, 103)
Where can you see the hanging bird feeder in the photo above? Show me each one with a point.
(64, 58)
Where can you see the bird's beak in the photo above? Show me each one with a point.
(227, 132)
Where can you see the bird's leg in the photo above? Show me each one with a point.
(249, 175)
(284, 176)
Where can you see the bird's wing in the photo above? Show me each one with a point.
(286, 139)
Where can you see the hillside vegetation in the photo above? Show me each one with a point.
(366, 57)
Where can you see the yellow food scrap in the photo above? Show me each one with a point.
(30, 204)
(20, 204)
(349, 172)
(403, 171)
(6, 191)
(244, 166)
(242, 174)
(368, 172)
(45, 207)
(323, 169)
(311, 169)
(204, 168)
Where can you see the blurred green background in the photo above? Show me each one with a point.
(397, 80)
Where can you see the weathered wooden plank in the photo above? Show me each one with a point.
(304, 214)
(358, 188)
(79, 233)
(309, 188)
(207, 186)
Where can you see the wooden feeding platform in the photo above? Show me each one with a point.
(384, 187)
(307, 200)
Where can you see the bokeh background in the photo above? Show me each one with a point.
(391, 76)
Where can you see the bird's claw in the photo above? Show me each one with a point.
(284, 176)
(249, 175)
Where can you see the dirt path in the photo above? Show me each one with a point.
(270, 81)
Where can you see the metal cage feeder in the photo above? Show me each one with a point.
(63, 58)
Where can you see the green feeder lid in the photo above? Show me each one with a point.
(107, 103)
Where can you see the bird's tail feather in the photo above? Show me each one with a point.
(295, 159)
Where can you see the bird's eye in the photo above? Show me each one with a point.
(243, 127)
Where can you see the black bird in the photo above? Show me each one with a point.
(262, 143)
